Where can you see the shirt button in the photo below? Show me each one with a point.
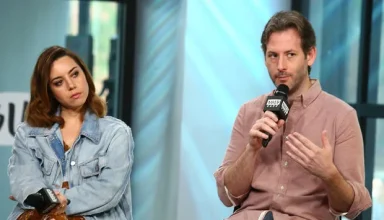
(282, 187)
(73, 163)
(286, 163)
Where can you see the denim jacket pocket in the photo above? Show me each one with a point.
(92, 167)
(46, 163)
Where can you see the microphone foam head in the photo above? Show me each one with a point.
(282, 90)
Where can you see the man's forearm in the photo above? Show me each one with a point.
(340, 192)
(238, 177)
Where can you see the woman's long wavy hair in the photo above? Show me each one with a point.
(42, 107)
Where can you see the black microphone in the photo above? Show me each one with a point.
(278, 104)
(43, 201)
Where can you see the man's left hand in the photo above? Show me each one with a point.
(317, 160)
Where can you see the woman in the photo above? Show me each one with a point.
(68, 144)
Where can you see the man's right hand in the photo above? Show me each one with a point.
(269, 123)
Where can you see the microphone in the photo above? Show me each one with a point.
(278, 104)
(43, 201)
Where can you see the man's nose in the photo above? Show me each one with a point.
(281, 64)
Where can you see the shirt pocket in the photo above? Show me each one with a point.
(92, 167)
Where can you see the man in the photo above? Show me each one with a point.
(313, 167)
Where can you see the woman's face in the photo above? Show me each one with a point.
(68, 83)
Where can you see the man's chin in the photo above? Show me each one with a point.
(279, 82)
(285, 80)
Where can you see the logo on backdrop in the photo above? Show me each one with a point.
(12, 108)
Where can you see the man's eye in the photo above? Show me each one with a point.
(272, 55)
(291, 54)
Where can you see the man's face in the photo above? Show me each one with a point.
(285, 59)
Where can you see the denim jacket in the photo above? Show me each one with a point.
(97, 167)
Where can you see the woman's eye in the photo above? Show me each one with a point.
(58, 83)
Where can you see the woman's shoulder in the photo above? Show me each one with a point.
(24, 127)
(112, 123)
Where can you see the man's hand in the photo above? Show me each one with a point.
(269, 123)
(317, 160)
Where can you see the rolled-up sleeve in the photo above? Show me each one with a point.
(236, 147)
(349, 159)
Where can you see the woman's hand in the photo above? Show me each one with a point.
(60, 209)
(58, 213)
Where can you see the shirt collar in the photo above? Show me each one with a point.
(310, 95)
(90, 128)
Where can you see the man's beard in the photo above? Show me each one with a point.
(297, 83)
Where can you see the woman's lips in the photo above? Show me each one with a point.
(76, 95)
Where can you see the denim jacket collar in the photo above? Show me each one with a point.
(89, 129)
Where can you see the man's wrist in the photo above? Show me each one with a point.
(331, 175)
(254, 149)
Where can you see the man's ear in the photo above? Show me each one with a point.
(311, 56)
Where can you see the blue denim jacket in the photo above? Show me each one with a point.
(97, 167)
